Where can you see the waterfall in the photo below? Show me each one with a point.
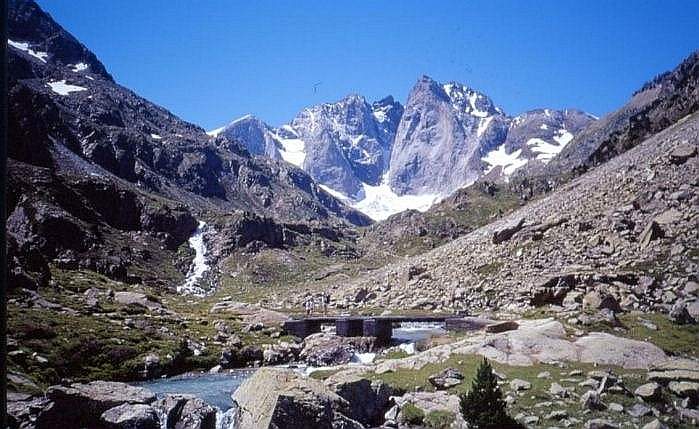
(199, 264)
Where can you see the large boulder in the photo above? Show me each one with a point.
(82, 405)
(446, 379)
(607, 349)
(368, 400)
(276, 398)
(131, 416)
(185, 412)
(324, 349)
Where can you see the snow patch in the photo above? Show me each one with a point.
(379, 201)
(199, 264)
(500, 158)
(77, 68)
(543, 127)
(564, 137)
(364, 358)
(62, 88)
(24, 46)
(483, 125)
(156, 137)
(293, 150)
(216, 132)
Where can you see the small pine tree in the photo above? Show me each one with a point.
(482, 407)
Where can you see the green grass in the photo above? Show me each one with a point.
(417, 379)
(439, 419)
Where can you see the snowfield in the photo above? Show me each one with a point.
(62, 88)
(379, 202)
(500, 158)
(24, 46)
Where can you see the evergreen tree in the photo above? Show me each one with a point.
(483, 407)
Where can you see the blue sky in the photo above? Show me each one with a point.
(212, 61)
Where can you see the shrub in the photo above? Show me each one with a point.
(439, 419)
(482, 407)
(411, 414)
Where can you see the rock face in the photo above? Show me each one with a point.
(341, 145)
(280, 398)
(450, 135)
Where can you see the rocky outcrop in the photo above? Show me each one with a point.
(277, 398)
(324, 349)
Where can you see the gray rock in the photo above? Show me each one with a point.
(684, 389)
(186, 412)
(449, 377)
(648, 392)
(600, 424)
(591, 400)
(559, 391)
(655, 424)
(131, 416)
(368, 400)
(682, 152)
(83, 404)
(639, 410)
(276, 397)
(518, 385)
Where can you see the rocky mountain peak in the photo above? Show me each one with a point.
(36, 34)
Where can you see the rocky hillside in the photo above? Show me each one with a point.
(626, 230)
(93, 166)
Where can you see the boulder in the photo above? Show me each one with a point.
(281, 398)
(591, 400)
(559, 391)
(600, 424)
(186, 412)
(685, 389)
(650, 233)
(509, 325)
(649, 392)
(507, 232)
(282, 352)
(639, 410)
(607, 349)
(135, 298)
(324, 349)
(369, 400)
(680, 315)
(519, 384)
(82, 405)
(655, 424)
(682, 152)
(131, 416)
(676, 369)
(597, 301)
(449, 377)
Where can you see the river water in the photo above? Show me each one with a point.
(216, 389)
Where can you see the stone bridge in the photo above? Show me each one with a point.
(380, 327)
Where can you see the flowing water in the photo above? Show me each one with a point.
(216, 389)
(199, 264)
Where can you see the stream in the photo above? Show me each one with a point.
(216, 389)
